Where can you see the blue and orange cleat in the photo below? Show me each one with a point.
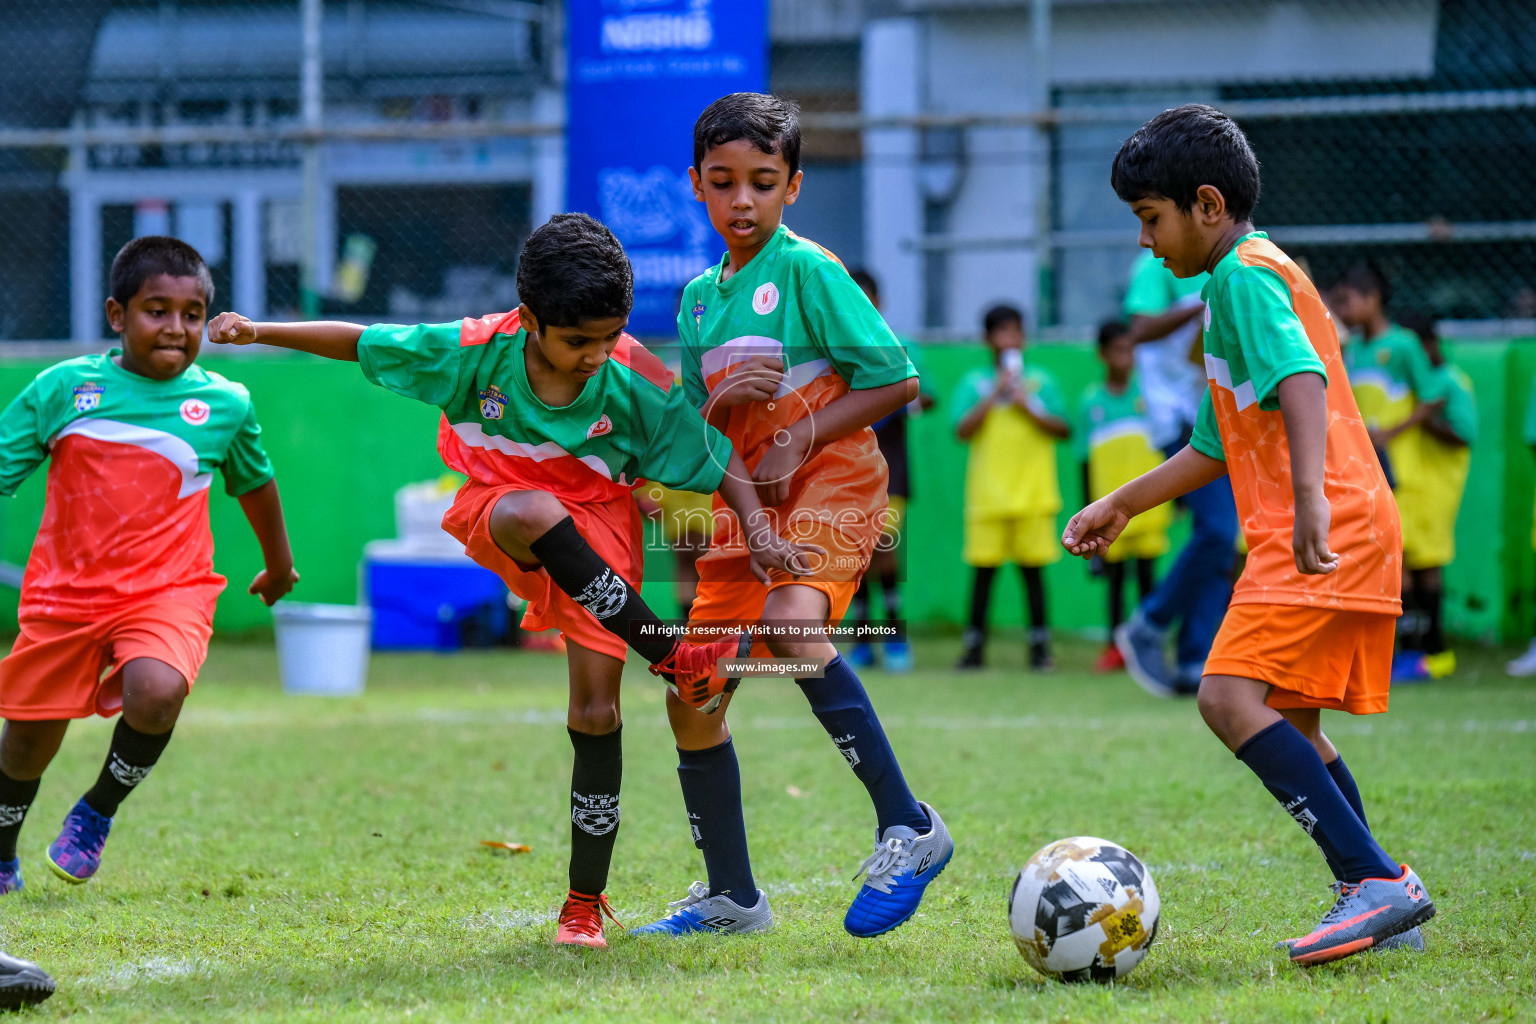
(76, 854)
(1366, 915)
(10, 875)
(897, 874)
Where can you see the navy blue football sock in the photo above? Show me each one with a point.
(711, 781)
(1346, 784)
(840, 703)
(1290, 768)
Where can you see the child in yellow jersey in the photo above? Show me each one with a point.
(1011, 416)
(1114, 445)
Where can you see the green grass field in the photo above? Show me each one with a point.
(314, 859)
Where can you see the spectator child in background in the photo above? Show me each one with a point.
(1114, 443)
(1011, 416)
(891, 435)
(1445, 455)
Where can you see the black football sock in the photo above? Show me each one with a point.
(1410, 631)
(129, 760)
(890, 596)
(1114, 575)
(592, 583)
(840, 703)
(1146, 580)
(1432, 607)
(981, 604)
(1039, 629)
(711, 781)
(858, 608)
(595, 777)
(15, 800)
(1293, 772)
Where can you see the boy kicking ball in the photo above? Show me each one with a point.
(555, 414)
(1312, 618)
(783, 351)
(118, 597)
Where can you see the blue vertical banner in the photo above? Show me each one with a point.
(641, 71)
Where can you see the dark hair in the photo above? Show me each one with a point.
(866, 281)
(574, 269)
(1366, 277)
(1109, 330)
(1422, 324)
(771, 123)
(1179, 150)
(150, 256)
(1000, 316)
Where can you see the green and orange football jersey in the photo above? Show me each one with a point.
(1264, 322)
(795, 301)
(125, 518)
(628, 424)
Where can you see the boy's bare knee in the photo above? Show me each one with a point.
(692, 729)
(525, 516)
(594, 717)
(153, 693)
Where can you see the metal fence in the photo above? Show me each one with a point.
(384, 158)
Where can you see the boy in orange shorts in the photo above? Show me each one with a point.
(1312, 617)
(118, 596)
(784, 352)
(555, 415)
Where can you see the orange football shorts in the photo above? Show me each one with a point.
(613, 528)
(74, 669)
(1312, 657)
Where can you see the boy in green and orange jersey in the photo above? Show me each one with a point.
(555, 415)
(1311, 621)
(118, 597)
(789, 358)
(1114, 445)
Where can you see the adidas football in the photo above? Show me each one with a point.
(1083, 909)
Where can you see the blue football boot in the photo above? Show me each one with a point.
(10, 875)
(860, 655)
(896, 876)
(1141, 644)
(700, 912)
(76, 854)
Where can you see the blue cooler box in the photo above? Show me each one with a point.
(425, 596)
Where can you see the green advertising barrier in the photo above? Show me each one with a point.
(342, 447)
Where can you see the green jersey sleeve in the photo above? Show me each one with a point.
(1049, 396)
(1460, 413)
(246, 466)
(1530, 420)
(424, 362)
(849, 331)
(1206, 437)
(23, 438)
(681, 450)
(1428, 384)
(973, 387)
(688, 340)
(1273, 341)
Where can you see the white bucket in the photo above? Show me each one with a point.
(322, 648)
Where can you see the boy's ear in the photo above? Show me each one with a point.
(792, 190)
(117, 316)
(1210, 204)
(698, 183)
(526, 320)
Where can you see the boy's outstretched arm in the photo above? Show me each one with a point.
(1304, 407)
(769, 550)
(329, 338)
(1095, 528)
(854, 411)
(264, 511)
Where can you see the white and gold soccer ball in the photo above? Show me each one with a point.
(1083, 909)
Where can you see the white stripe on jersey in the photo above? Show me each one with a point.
(168, 446)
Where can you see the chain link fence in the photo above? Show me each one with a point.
(958, 149)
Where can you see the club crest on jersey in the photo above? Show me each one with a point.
(604, 425)
(195, 411)
(492, 403)
(766, 299)
(87, 396)
(698, 314)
